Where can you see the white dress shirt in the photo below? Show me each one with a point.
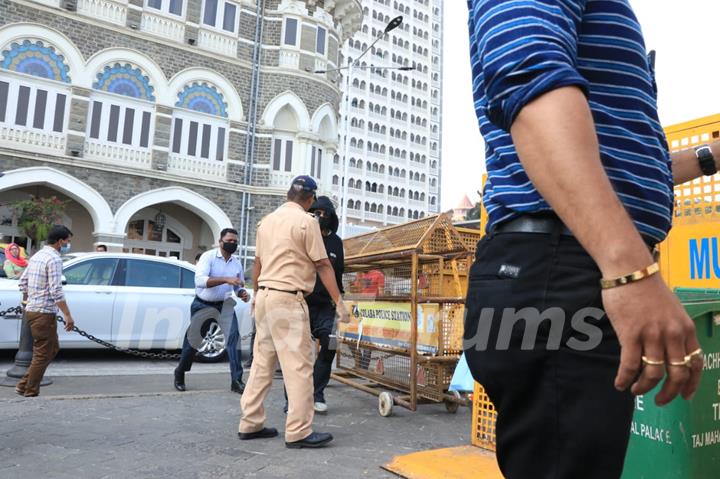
(212, 265)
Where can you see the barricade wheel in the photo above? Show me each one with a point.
(452, 406)
(385, 404)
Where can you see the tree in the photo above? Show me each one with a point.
(474, 212)
(37, 215)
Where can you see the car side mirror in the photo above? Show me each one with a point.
(64, 280)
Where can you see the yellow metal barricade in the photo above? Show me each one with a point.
(405, 287)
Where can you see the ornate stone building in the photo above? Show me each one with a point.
(163, 121)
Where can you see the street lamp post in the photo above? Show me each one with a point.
(355, 64)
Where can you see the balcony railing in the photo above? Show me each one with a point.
(214, 41)
(197, 167)
(163, 26)
(50, 3)
(355, 213)
(21, 138)
(281, 179)
(321, 63)
(375, 174)
(374, 216)
(119, 154)
(289, 59)
(373, 194)
(106, 10)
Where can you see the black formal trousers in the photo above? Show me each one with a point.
(559, 415)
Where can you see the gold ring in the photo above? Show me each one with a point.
(651, 362)
(697, 352)
(685, 362)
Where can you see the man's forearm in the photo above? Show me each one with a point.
(685, 166)
(556, 142)
(212, 282)
(64, 308)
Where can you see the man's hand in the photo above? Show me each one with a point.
(69, 322)
(244, 296)
(341, 311)
(234, 282)
(650, 321)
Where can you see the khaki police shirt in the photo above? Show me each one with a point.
(288, 244)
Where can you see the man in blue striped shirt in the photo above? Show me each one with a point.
(579, 189)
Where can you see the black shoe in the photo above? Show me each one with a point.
(315, 439)
(263, 433)
(237, 386)
(179, 380)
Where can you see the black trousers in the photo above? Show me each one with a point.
(322, 322)
(559, 415)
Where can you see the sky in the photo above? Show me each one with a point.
(685, 36)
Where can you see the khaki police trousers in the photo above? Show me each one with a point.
(283, 333)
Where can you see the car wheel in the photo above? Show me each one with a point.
(212, 349)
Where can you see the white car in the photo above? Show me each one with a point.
(130, 300)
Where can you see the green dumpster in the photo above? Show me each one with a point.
(682, 439)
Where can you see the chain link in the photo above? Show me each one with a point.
(133, 352)
(15, 310)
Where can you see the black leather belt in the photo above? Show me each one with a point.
(546, 224)
(210, 303)
(280, 290)
(541, 224)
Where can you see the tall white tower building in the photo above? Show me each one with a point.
(393, 118)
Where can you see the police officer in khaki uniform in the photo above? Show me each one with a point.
(289, 253)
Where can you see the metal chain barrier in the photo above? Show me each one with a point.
(15, 310)
(133, 352)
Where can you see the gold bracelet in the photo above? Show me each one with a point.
(630, 278)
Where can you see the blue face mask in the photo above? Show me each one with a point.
(65, 249)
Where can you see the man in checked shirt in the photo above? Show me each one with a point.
(41, 286)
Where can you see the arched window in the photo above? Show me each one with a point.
(34, 106)
(200, 125)
(122, 112)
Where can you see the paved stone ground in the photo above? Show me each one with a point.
(138, 426)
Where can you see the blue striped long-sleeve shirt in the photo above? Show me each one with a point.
(521, 49)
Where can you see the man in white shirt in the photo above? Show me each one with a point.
(217, 275)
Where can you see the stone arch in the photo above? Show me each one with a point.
(292, 101)
(324, 119)
(212, 214)
(79, 191)
(169, 96)
(17, 32)
(111, 56)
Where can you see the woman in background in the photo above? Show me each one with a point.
(14, 264)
